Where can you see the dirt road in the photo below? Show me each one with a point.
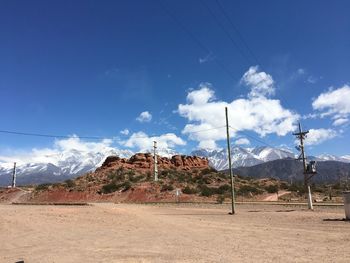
(170, 233)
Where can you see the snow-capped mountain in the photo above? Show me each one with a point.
(71, 163)
(246, 157)
(329, 157)
(243, 157)
(57, 167)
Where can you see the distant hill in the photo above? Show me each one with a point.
(291, 170)
(188, 178)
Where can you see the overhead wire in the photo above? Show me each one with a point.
(253, 137)
(235, 28)
(194, 38)
(90, 137)
(51, 135)
(222, 26)
(238, 33)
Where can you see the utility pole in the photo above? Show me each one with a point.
(229, 164)
(155, 167)
(14, 175)
(301, 135)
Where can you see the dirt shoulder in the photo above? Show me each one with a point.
(172, 233)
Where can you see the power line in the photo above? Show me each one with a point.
(51, 135)
(193, 37)
(90, 137)
(208, 129)
(222, 9)
(226, 31)
(253, 137)
(240, 36)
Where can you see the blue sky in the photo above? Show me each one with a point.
(90, 68)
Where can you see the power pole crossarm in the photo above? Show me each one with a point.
(301, 136)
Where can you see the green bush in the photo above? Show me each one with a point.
(284, 185)
(136, 179)
(245, 189)
(188, 190)
(42, 187)
(271, 189)
(116, 176)
(109, 188)
(126, 186)
(167, 187)
(69, 183)
(300, 188)
(207, 171)
(223, 189)
(208, 191)
(148, 175)
(223, 175)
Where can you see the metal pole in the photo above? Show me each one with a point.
(155, 161)
(14, 176)
(229, 164)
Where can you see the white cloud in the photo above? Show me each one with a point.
(310, 116)
(144, 117)
(207, 58)
(202, 95)
(261, 83)
(259, 114)
(340, 121)
(318, 136)
(311, 79)
(301, 71)
(334, 103)
(60, 149)
(144, 143)
(125, 132)
(243, 141)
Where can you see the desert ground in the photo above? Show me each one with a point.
(108, 232)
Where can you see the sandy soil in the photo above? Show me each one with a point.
(274, 197)
(172, 233)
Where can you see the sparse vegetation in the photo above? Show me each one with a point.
(272, 188)
(249, 189)
(220, 199)
(167, 187)
(207, 191)
(69, 183)
(112, 187)
(188, 190)
(42, 187)
(109, 188)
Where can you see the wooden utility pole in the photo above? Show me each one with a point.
(301, 135)
(14, 175)
(229, 164)
(155, 167)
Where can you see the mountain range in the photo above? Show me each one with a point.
(292, 171)
(72, 163)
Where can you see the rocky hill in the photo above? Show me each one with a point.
(131, 180)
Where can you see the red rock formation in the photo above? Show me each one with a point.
(143, 162)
